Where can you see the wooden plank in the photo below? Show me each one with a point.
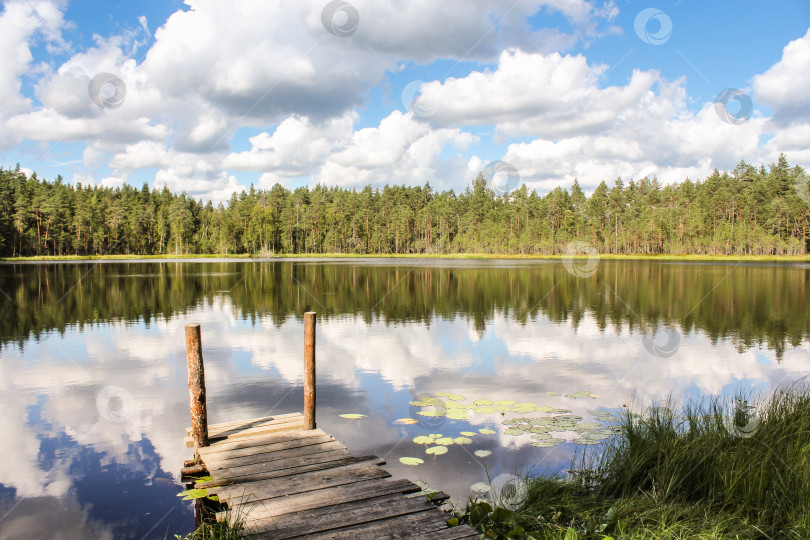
(321, 497)
(331, 517)
(427, 524)
(247, 471)
(451, 533)
(299, 483)
(268, 443)
(267, 457)
(227, 425)
(261, 430)
(292, 471)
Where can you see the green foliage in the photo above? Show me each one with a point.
(708, 471)
(750, 211)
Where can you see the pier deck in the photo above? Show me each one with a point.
(283, 481)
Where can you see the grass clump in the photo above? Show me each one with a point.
(713, 470)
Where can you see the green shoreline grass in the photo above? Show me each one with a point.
(703, 471)
(664, 257)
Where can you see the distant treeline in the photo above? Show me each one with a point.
(749, 211)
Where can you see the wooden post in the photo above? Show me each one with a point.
(196, 389)
(309, 370)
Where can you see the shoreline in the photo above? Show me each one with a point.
(491, 256)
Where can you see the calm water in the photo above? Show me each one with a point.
(92, 367)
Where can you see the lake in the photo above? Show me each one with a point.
(93, 371)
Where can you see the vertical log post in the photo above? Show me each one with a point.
(196, 389)
(309, 370)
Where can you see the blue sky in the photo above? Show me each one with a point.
(214, 98)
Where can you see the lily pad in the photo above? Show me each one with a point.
(462, 440)
(437, 412)
(421, 439)
(486, 431)
(469, 433)
(480, 487)
(353, 416)
(191, 494)
(485, 410)
(585, 441)
(435, 435)
(458, 414)
(410, 461)
(456, 397)
(590, 425)
(405, 421)
(436, 450)
(482, 402)
(482, 453)
(546, 443)
(418, 403)
(455, 405)
(514, 431)
(444, 441)
(544, 408)
(504, 402)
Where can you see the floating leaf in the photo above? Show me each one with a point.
(504, 402)
(456, 397)
(482, 453)
(515, 431)
(458, 415)
(421, 439)
(544, 408)
(410, 461)
(486, 431)
(405, 421)
(485, 410)
(461, 440)
(546, 443)
(435, 435)
(482, 402)
(437, 412)
(552, 394)
(585, 441)
(418, 403)
(522, 410)
(444, 441)
(353, 416)
(191, 494)
(480, 486)
(444, 394)
(455, 405)
(541, 436)
(590, 425)
(436, 450)
(469, 433)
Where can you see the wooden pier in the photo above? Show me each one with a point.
(282, 478)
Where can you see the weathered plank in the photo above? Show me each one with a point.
(276, 442)
(262, 429)
(322, 497)
(250, 421)
(336, 516)
(248, 471)
(292, 471)
(299, 483)
(238, 463)
(428, 525)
